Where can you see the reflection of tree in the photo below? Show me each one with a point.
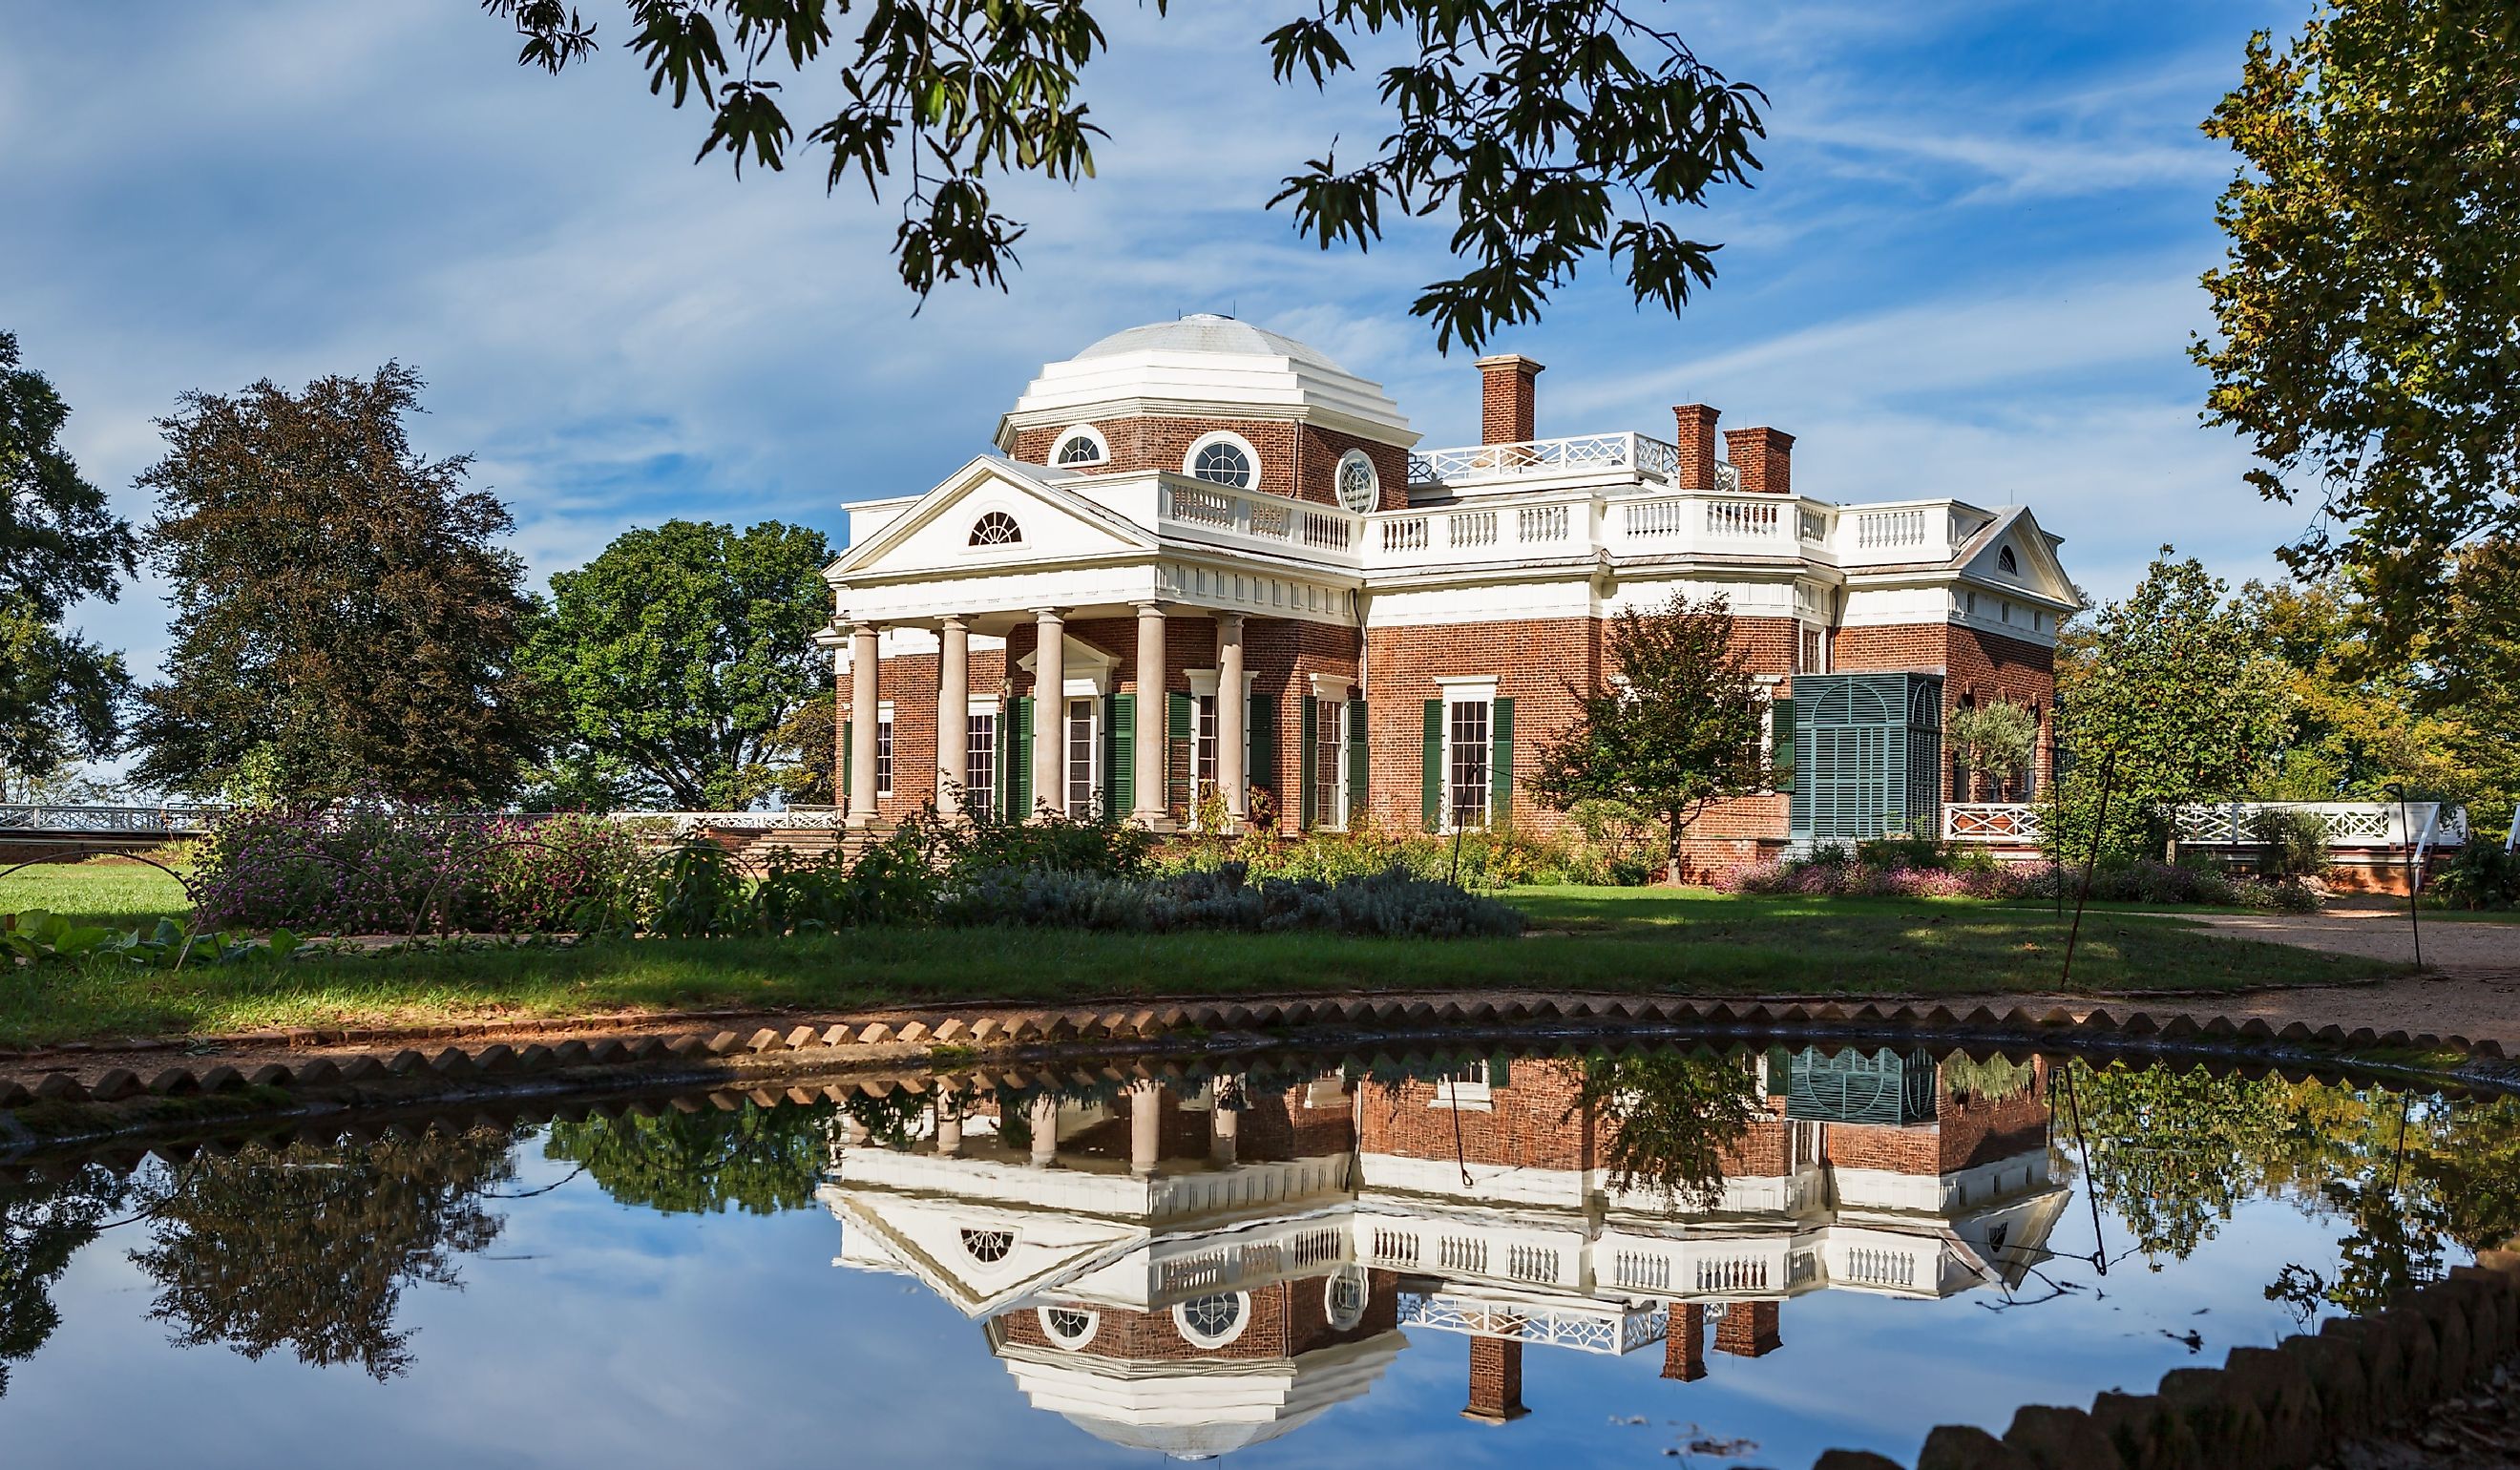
(43, 1223)
(1666, 1118)
(2173, 1152)
(760, 1160)
(310, 1247)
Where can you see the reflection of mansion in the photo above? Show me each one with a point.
(1197, 1273)
(1204, 557)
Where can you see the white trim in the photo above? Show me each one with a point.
(1461, 687)
(1058, 442)
(1331, 686)
(1250, 457)
(982, 704)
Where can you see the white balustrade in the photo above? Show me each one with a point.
(1470, 528)
(1645, 519)
(1407, 534)
(1637, 454)
(105, 821)
(1537, 524)
(1877, 530)
(1739, 517)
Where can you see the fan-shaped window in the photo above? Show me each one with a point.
(1223, 459)
(1212, 1322)
(2006, 560)
(988, 1247)
(1358, 485)
(1071, 1327)
(997, 528)
(1080, 445)
(1345, 1297)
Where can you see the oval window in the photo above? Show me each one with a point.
(1358, 485)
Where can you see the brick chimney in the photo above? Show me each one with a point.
(1496, 1380)
(1508, 411)
(1695, 437)
(1684, 1344)
(1764, 458)
(1750, 1330)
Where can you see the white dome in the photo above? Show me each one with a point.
(1206, 366)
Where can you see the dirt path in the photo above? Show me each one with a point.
(2464, 948)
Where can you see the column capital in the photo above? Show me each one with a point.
(1232, 620)
(1149, 608)
(953, 620)
(1050, 615)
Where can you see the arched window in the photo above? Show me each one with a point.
(1343, 1299)
(1358, 485)
(2011, 564)
(988, 1247)
(1071, 1327)
(1080, 445)
(1212, 1322)
(997, 528)
(1223, 459)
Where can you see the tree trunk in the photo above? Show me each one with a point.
(1671, 872)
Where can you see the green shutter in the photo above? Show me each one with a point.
(1308, 736)
(1178, 712)
(1782, 743)
(1434, 764)
(1501, 764)
(1119, 755)
(1263, 771)
(1020, 763)
(1357, 763)
(1500, 1071)
(847, 757)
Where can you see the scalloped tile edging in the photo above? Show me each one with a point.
(2283, 1408)
(540, 1065)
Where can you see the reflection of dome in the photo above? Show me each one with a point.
(1199, 1411)
(1203, 365)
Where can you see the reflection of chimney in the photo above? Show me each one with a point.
(1750, 1330)
(1763, 458)
(1695, 437)
(1496, 1380)
(1509, 410)
(1684, 1344)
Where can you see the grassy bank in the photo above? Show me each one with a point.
(98, 891)
(1609, 939)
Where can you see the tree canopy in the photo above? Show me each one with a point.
(60, 695)
(758, 1160)
(345, 623)
(679, 653)
(2368, 310)
(1676, 727)
(1545, 132)
(2170, 697)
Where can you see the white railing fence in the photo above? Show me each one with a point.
(1274, 518)
(1650, 458)
(2350, 825)
(28, 819)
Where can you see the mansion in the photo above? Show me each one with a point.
(1205, 563)
(1193, 1268)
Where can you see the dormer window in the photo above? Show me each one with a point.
(997, 528)
(2008, 562)
(1079, 446)
(1223, 459)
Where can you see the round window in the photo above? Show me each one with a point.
(1078, 448)
(1358, 487)
(997, 528)
(988, 1247)
(1345, 1297)
(1071, 1327)
(1212, 1322)
(1222, 462)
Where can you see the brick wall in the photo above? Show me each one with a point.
(1287, 1319)
(1974, 665)
(1533, 661)
(1527, 1124)
(1295, 459)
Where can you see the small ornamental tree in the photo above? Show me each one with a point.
(1996, 739)
(2173, 699)
(1678, 729)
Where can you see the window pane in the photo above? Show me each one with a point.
(1470, 762)
(884, 758)
(1328, 748)
(1080, 758)
(1204, 770)
(980, 765)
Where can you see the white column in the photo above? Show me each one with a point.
(1225, 1124)
(1145, 1127)
(953, 714)
(863, 668)
(1048, 713)
(1151, 712)
(1229, 713)
(949, 1124)
(1045, 1130)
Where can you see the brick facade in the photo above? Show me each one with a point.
(1286, 1320)
(1297, 460)
(1976, 667)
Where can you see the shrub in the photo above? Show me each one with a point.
(1831, 873)
(1392, 904)
(2292, 843)
(2481, 876)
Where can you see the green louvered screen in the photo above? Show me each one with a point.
(1357, 761)
(1434, 764)
(1896, 1088)
(1500, 762)
(1307, 762)
(1263, 747)
(1020, 763)
(1781, 728)
(1868, 755)
(1119, 755)
(847, 758)
(1177, 714)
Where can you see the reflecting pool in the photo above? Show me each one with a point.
(1733, 1259)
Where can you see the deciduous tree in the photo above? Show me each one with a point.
(1677, 728)
(345, 619)
(1547, 132)
(680, 653)
(2368, 311)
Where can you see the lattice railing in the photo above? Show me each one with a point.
(106, 821)
(1651, 458)
(1992, 821)
(1604, 1330)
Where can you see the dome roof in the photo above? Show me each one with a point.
(1206, 366)
(1206, 331)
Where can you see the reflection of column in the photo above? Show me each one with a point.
(1750, 1330)
(953, 714)
(1230, 775)
(1145, 1127)
(1223, 1122)
(1684, 1344)
(949, 1125)
(1044, 1115)
(1049, 712)
(1149, 772)
(863, 667)
(1496, 1380)
(852, 1131)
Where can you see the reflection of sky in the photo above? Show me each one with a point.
(591, 1334)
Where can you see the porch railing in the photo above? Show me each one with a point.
(2352, 825)
(1646, 456)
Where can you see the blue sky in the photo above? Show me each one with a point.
(1969, 268)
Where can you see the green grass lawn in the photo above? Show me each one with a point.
(1667, 941)
(98, 891)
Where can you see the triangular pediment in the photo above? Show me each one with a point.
(2013, 552)
(943, 530)
(949, 1245)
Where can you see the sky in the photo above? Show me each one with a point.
(1969, 266)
